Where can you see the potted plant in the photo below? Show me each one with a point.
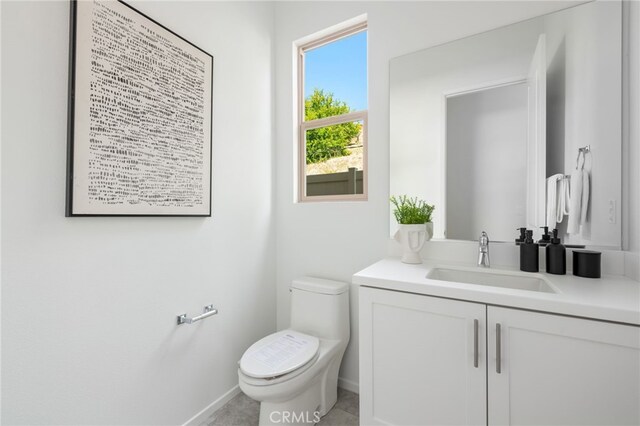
(414, 225)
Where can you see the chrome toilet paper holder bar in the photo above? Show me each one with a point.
(209, 310)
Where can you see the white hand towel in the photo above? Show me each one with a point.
(553, 191)
(563, 199)
(576, 198)
(585, 197)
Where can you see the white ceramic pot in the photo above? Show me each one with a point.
(429, 231)
(412, 238)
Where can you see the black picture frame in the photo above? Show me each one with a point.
(140, 116)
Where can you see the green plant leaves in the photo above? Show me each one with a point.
(411, 211)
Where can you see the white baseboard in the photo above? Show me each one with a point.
(349, 385)
(203, 415)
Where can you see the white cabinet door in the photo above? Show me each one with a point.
(418, 360)
(557, 370)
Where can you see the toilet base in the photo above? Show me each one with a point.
(299, 411)
(308, 407)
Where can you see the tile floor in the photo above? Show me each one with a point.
(243, 411)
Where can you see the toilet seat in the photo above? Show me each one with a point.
(279, 354)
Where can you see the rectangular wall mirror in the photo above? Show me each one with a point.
(478, 125)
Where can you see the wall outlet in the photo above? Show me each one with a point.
(612, 211)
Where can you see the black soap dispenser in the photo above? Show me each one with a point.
(522, 236)
(556, 256)
(529, 256)
(546, 238)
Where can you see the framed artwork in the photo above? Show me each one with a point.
(140, 116)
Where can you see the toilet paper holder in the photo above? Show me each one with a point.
(209, 310)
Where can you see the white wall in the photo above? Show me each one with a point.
(485, 191)
(632, 163)
(335, 240)
(89, 304)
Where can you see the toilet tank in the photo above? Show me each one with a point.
(320, 308)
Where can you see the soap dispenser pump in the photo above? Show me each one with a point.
(529, 256)
(522, 237)
(546, 238)
(556, 256)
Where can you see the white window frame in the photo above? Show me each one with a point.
(304, 126)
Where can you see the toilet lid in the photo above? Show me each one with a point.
(278, 354)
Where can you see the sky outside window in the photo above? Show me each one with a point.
(340, 68)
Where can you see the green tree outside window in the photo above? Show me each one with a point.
(331, 141)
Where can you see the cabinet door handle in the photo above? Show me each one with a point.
(475, 343)
(498, 349)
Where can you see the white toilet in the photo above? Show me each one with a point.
(294, 372)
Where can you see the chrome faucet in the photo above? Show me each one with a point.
(483, 250)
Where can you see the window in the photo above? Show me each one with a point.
(332, 116)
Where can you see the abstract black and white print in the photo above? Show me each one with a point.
(141, 116)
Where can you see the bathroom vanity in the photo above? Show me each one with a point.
(544, 350)
(478, 126)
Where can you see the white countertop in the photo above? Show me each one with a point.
(611, 298)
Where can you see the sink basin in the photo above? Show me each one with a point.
(496, 278)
